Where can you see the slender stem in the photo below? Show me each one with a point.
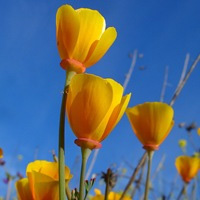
(180, 86)
(138, 182)
(181, 193)
(194, 188)
(107, 191)
(85, 154)
(95, 154)
(150, 155)
(165, 83)
(8, 189)
(185, 191)
(132, 179)
(107, 180)
(61, 151)
(68, 192)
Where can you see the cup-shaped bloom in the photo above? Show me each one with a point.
(94, 106)
(151, 122)
(187, 167)
(42, 181)
(1, 153)
(82, 37)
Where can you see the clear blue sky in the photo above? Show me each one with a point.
(31, 80)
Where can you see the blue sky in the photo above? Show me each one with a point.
(31, 80)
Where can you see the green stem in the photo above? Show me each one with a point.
(61, 151)
(85, 154)
(150, 155)
(185, 191)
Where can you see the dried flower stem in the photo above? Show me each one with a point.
(128, 76)
(9, 187)
(183, 192)
(164, 85)
(184, 69)
(96, 151)
(159, 167)
(132, 179)
(180, 86)
(137, 186)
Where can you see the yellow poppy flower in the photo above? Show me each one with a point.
(187, 167)
(82, 39)
(151, 122)
(1, 153)
(42, 181)
(112, 196)
(94, 107)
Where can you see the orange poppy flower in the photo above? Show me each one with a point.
(151, 122)
(42, 181)
(94, 107)
(187, 167)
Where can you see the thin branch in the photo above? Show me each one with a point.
(128, 76)
(172, 187)
(164, 85)
(9, 188)
(129, 164)
(92, 164)
(138, 182)
(184, 69)
(132, 179)
(159, 167)
(180, 87)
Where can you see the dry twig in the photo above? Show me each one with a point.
(180, 86)
(132, 179)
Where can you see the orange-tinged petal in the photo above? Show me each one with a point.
(89, 100)
(49, 169)
(67, 30)
(116, 115)
(94, 106)
(43, 177)
(47, 190)
(117, 92)
(92, 26)
(1, 153)
(151, 122)
(98, 50)
(187, 167)
(23, 189)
